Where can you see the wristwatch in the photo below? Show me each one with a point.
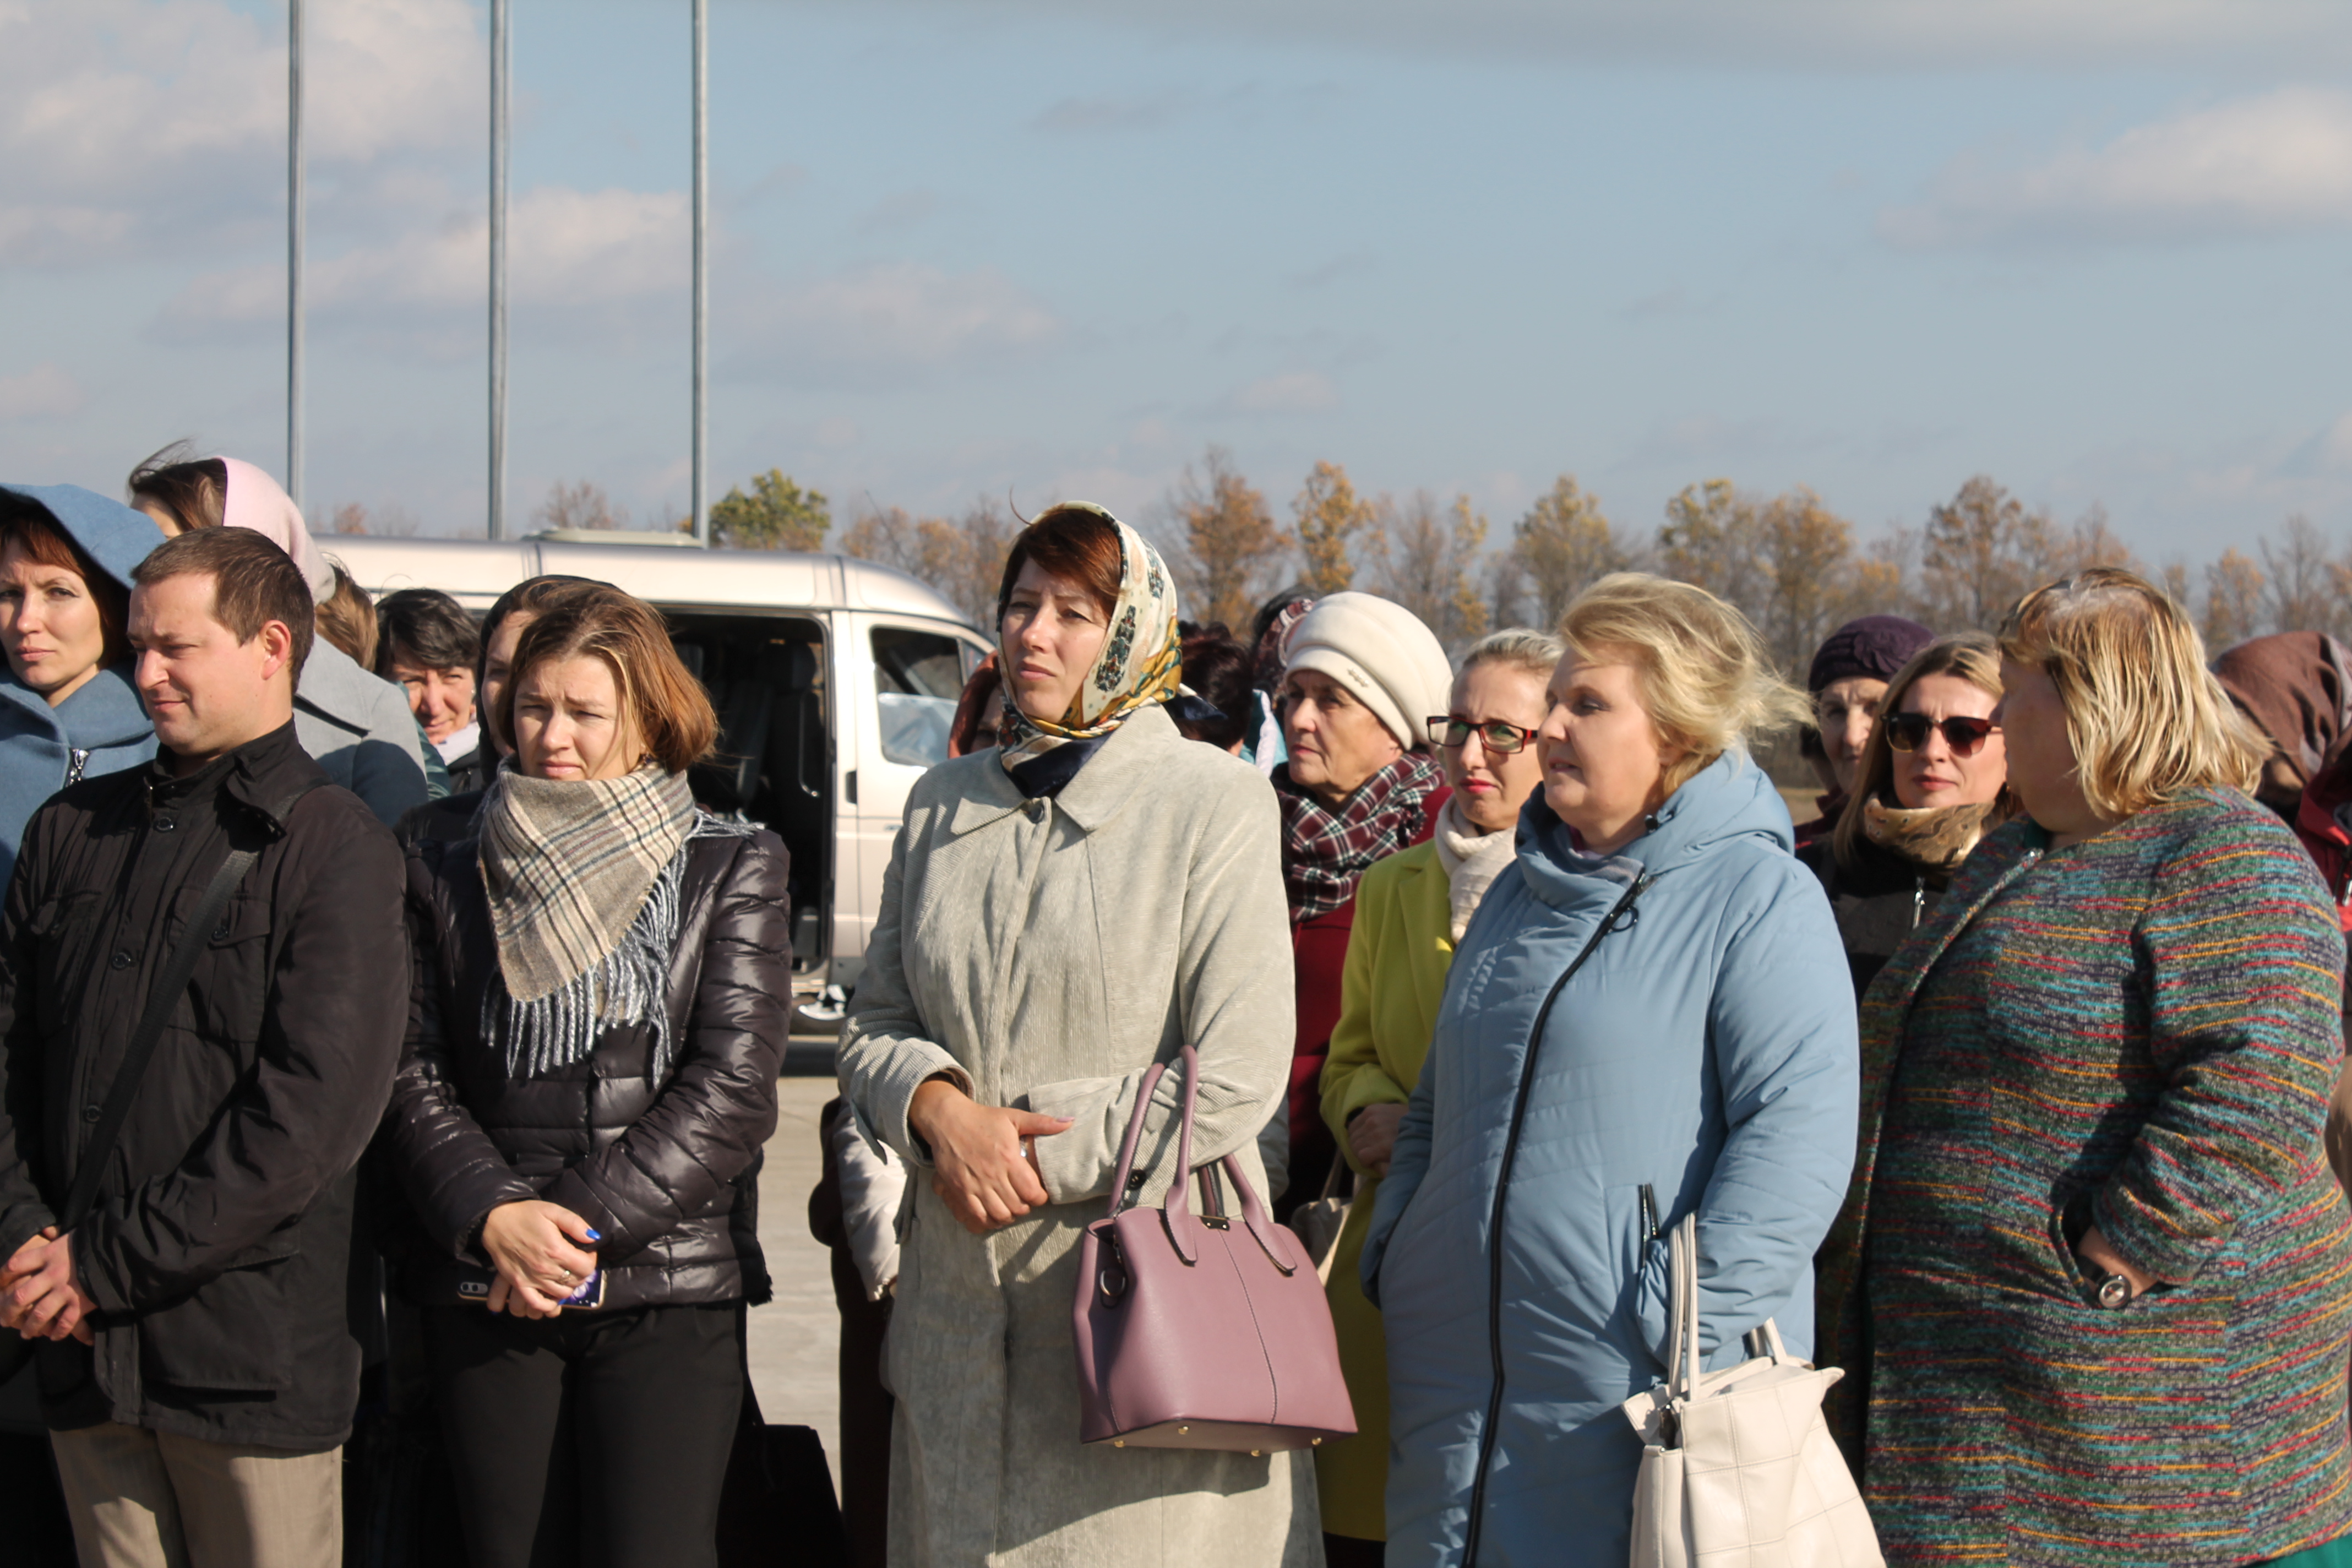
(2115, 1292)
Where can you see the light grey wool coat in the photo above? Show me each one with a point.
(1044, 955)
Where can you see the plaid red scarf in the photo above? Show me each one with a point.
(1325, 853)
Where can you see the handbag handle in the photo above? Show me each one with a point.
(1682, 1345)
(1179, 1204)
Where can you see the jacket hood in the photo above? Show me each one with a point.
(109, 532)
(1730, 798)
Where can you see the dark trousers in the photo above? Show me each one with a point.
(598, 1439)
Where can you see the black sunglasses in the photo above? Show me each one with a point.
(1493, 734)
(1908, 732)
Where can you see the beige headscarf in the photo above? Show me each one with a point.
(1141, 662)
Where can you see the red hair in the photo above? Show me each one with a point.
(1075, 544)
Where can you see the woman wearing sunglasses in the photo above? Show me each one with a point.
(1932, 781)
(1411, 909)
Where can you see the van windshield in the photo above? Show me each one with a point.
(918, 678)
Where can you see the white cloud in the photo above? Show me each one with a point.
(44, 392)
(154, 123)
(569, 250)
(2274, 163)
(884, 322)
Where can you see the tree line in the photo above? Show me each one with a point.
(1796, 568)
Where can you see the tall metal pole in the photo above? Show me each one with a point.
(500, 59)
(701, 267)
(295, 204)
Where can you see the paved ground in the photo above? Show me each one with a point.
(795, 1336)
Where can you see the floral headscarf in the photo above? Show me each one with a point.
(1141, 662)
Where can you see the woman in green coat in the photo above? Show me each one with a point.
(2089, 1284)
(1410, 911)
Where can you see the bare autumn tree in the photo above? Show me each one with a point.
(1231, 549)
(580, 505)
(2307, 585)
(1425, 557)
(1330, 514)
(1559, 547)
(1716, 539)
(2236, 606)
(2093, 542)
(1981, 553)
(1816, 583)
(963, 557)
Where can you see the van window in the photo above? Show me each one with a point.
(918, 678)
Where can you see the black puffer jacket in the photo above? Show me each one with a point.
(667, 1172)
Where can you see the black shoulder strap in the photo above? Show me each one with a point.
(161, 1002)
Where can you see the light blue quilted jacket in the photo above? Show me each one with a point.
(1695, 1050)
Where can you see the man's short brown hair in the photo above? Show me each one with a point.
(253, 583)
(670, 709)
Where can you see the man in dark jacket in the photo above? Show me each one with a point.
(196, 1366)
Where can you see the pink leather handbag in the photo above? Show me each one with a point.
(1201, 1331)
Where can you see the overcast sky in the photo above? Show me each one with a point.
(2097, 248)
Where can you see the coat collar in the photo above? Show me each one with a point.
(1113, 776)
(258, 774)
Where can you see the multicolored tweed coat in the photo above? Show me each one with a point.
(2138, 1032)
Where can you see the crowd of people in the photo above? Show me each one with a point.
(374, 993)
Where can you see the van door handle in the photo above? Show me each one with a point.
(849, 785)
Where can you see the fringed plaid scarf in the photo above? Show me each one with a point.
(582, 881)
(1325, 853)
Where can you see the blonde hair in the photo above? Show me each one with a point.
(1704, 681)
(1521, 647)
(2148, 720)
(1974, 657)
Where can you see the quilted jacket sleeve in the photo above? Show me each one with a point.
(2246, 967)
(1787, 1055)
(716, 1113)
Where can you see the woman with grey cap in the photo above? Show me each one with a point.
(1847, 681)
(1362, 675)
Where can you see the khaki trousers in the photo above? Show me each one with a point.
(151, 1499)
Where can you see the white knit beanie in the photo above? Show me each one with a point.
(1382, 654)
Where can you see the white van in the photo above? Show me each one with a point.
(834, 680)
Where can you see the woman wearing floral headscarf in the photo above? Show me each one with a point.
(1059, 914)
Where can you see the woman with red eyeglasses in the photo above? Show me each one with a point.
(1932, 781)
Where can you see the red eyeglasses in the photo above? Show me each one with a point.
(1908, 732)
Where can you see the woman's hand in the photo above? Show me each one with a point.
(979, 1167)
(2096, 1250)
(531, 1243)
(1371, 1136)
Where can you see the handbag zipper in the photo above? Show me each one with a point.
(1623, 907)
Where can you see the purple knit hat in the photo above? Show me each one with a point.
(1875, 647)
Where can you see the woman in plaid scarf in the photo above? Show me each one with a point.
(599, 1016)
(1362, 675)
